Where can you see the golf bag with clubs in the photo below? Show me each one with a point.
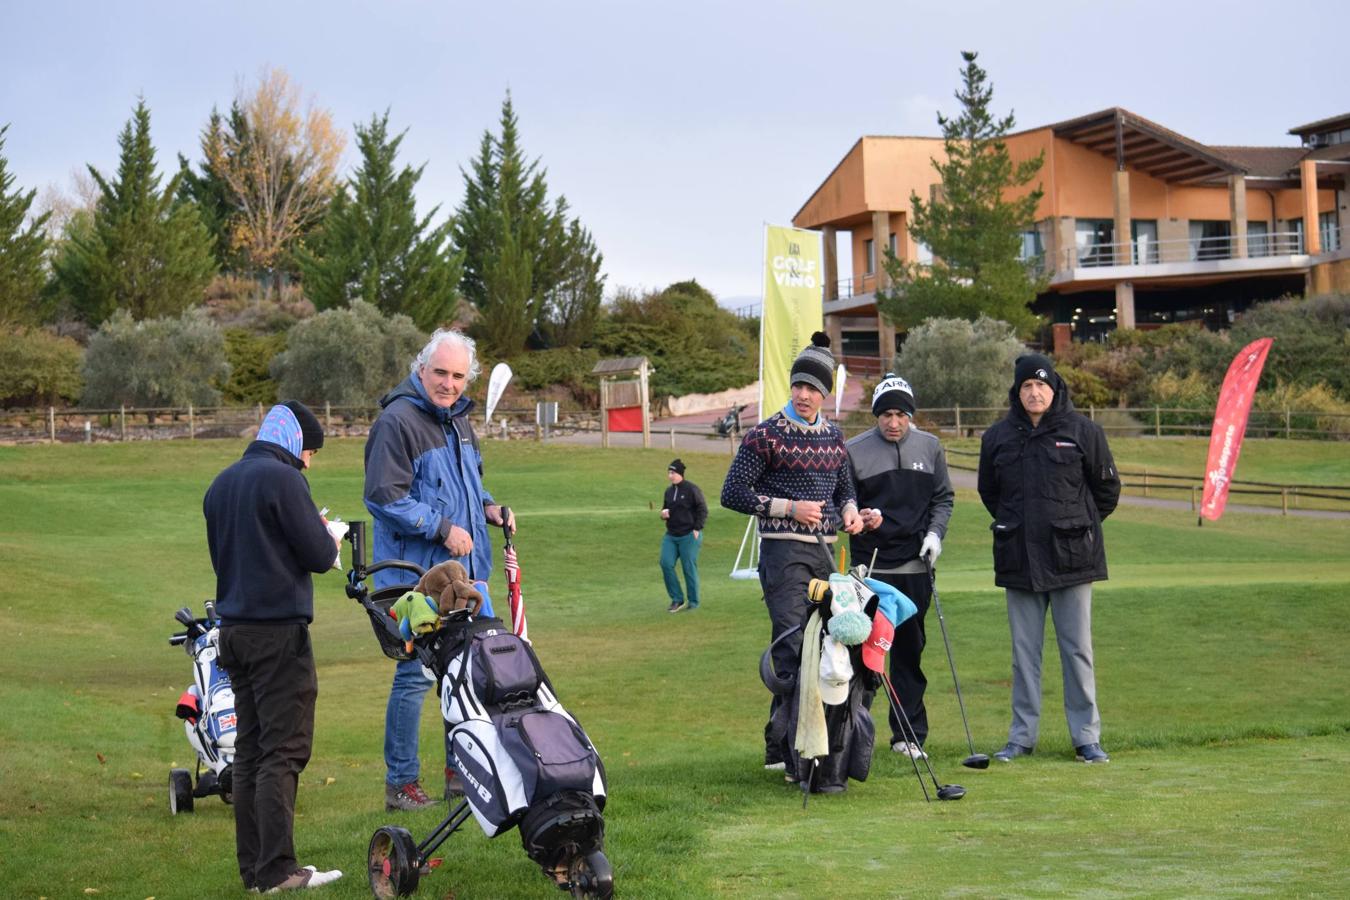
(524, 760)
(834, 655)
(207, 711)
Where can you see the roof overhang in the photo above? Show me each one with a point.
(1136, 143)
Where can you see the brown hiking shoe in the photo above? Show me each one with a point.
(406, 796)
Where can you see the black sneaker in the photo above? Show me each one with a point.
(1091, 753)
(677, 607)
(1011, 751)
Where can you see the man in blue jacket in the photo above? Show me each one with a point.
(265, 539)
(424, 489)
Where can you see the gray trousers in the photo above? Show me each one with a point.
(1071, 609)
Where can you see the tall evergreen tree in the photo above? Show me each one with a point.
(142, 251)
(22, 247)
(208, 188)
(973, 229)
(373, 246)
(524, 261)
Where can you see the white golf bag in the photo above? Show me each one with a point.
(523, 758)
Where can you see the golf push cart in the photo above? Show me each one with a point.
(524, 760)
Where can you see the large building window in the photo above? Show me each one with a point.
(1144, 238)
(1210, 239)
(869, 257)
(1094, 240)
(1258, 239)
(1032, 249)
(1328, 232)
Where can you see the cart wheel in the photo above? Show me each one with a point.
(180, 791)
(393, 863)
(591, 876)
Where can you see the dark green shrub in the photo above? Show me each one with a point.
(250, 357)
(38, 368)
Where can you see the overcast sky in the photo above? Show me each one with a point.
(674, 130)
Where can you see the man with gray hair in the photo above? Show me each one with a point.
(424, 489)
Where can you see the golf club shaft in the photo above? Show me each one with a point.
(899, 707)
(951, 661)
(895, 703)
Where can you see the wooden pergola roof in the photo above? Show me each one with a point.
(1146, 146)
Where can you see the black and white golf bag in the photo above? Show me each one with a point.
(523, 758)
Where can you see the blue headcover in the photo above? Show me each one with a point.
(891, 603)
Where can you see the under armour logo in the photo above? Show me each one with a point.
(917, 465)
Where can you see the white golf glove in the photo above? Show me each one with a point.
(931, 548)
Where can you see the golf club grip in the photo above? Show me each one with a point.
(506, 520)
(818, 591)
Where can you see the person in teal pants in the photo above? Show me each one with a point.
(685, 512)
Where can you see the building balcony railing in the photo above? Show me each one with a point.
(1188, 250)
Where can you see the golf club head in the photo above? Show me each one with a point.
(951, 792)
(976, 761)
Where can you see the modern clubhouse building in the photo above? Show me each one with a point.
(1137, 226)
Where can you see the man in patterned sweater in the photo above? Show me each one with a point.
(792, 473)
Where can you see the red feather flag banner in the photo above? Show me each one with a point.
(511, 566)
(1230, 424)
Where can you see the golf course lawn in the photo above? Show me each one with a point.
(1222, 674)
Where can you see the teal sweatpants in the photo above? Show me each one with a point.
(685, 549)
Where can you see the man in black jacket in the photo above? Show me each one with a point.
(265, 539)
(685, 512)
(1048, 479)
(906, 497)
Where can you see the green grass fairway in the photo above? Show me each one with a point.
(1221, 663)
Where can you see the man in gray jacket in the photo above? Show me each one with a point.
(905, 499)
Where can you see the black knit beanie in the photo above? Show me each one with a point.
(1033, 365)
(675, 466)
(893, 392)
(815, 364)
(309, 425)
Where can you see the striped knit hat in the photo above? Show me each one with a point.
(815, 364)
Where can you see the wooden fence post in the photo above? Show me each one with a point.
(1284, 501)
(192, 424)
(1286, 423)
(260, 415)
(1145, 482)
(327, 416)
(1192, 498)
(124, 421)
(672, 438)
(51, 424)
(1157, 422)
(958, 420)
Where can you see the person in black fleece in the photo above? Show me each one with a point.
(265, 539)
(685, 512)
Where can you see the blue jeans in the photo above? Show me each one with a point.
(403, 715)
(402, 722)
(685, 549)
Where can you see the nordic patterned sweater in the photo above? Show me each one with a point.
(783, 459)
